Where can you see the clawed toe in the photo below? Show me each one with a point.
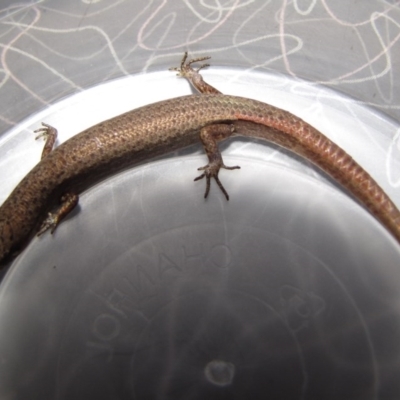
(212, 171)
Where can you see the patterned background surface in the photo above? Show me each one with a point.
(51, 49)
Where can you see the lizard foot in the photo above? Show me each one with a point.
(50, 135)
(211, 170)
(68, 203)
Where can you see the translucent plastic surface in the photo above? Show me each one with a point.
(148, 289)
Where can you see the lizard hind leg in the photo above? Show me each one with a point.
(186, 70)
(210, 136)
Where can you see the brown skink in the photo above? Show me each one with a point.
(164, 127)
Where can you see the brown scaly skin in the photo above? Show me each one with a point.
(164, 127)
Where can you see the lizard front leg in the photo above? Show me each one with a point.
(49, 134)
(68, 200)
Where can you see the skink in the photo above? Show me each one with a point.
(163, 127)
